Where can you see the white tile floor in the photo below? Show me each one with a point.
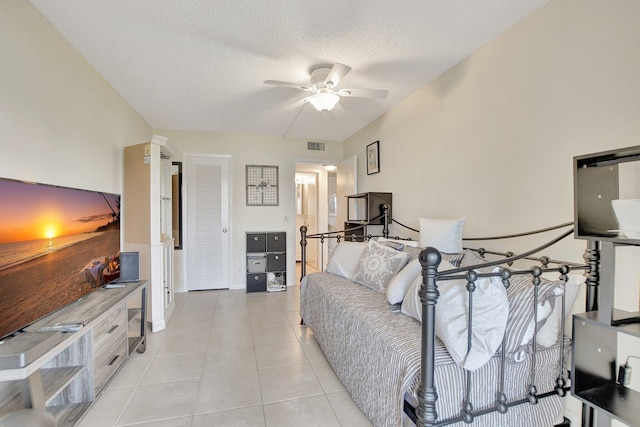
(228, 358)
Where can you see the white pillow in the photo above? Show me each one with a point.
(345, 258)
(401, 282)
(490, 312)
(412, 243)
(550, 332)
(411, 305)
(443, 234)
(377, 265)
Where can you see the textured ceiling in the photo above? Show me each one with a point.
(200, 64)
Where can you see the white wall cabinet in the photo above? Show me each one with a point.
(147, 222)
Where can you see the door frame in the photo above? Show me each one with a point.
(313, 257)
(185, 212)
(322, 203)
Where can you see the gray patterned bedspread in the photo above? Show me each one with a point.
(375, 352)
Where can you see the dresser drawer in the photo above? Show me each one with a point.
(107, 362)
(106, 332)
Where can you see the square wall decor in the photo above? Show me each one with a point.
(262, 185)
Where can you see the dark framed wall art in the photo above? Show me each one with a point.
(373, 158)
(262, 185)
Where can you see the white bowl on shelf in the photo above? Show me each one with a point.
(627, 213)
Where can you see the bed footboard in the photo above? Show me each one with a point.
(427, 394)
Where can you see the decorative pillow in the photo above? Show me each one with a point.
(549, 333)
(454, 259)
(412, 243)
(521, 323)
(397, 245)
(345, 258)
(443, 234)
(490, 313)
(472, 258)
(413, 252)
(401, 282)
(411, 305)
(377, 265)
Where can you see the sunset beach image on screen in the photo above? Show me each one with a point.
(56, 245)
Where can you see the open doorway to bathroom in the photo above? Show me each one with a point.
(315, 194)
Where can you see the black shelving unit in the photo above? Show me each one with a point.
(267, 261)
(364, 208)
(596, 332)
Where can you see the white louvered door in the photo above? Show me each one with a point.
(208, 234)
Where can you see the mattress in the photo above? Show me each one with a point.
(375, 351)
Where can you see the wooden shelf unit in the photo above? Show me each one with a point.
(71, 369)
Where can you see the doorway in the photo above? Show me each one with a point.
(315, 189)
(307, 213)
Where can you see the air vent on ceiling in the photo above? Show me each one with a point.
(315, 146)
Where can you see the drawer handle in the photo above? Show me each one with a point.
(113, 328)
(114, 360)
(256, 278)
(255, 238)
(275, 238)
(277, 257)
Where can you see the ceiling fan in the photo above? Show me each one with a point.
(324, 82)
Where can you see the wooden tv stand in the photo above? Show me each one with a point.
(64, 372)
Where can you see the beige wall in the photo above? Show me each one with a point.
(493, 139)
(61, 122)
(505, 123)
(253, 150)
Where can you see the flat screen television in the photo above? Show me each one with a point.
(57, 244)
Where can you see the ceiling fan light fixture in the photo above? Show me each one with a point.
(324, 100)
(324, 82)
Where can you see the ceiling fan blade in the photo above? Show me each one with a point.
(297, 104)
(364, 93)
(338, 71)
(287, 84)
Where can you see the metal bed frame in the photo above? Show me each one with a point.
(425, 414)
